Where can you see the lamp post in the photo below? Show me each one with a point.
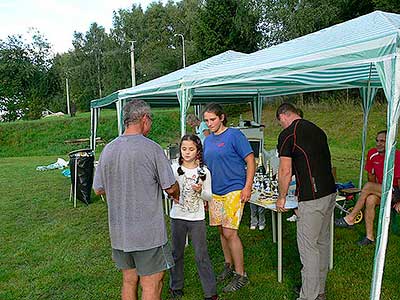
(67, 89)
(133, 63)
(183, 47)
(98, 71)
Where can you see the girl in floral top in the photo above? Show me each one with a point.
(188, 217)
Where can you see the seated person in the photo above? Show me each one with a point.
(371, 192)
(200, 128)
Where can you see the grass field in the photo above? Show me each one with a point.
(47, 136)
(49, 250)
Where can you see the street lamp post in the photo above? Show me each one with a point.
(67, 89)
(133, 63)
(183, 48)
(98, 72)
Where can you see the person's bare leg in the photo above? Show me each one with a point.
(370, 188)
(130, 281)
(236, 249)
(369, 214)
(152, 286)
(225, 247)
(356, 209)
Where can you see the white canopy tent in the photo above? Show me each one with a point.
(169, 90)
(361, 53)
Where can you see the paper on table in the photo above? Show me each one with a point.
(291, 202)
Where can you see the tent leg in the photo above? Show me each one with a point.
(70, 193)
(75, 181)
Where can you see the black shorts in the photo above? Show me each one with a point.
(146, 262)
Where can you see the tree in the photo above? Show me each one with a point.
(157, 51)
(158, 56)
(23, 76)
(350, 9)
(187, 17)
(84, 66)
(284, 20)
(387, 5)
(227, 25)
(128, 26)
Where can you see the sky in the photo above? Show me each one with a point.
(58, 19)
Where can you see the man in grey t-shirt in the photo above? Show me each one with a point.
(132, 171)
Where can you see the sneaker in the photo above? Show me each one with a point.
(226, 273)
(341, 222)
(215, 297)
(292, 218)
(175, 294)
(261, 227)
(297, 290)
(321, 297)
(253, 227)
(365, 242)
(237, 282)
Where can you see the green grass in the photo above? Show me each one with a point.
(47, 136)
(49, 250)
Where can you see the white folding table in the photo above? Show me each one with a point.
(277, 230)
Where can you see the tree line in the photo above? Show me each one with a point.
(33, 79)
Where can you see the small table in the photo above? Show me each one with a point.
(291, 203)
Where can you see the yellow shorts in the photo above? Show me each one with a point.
(226, 210)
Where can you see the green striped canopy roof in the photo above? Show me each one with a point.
(162, 90)
(338, 57)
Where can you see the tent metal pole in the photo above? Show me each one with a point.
(96, 110)
(92, 135)
(118, 107)
(260, 108)
(75, 179)
(389, 72)
(253, 105)
(367, 99)
(182, 112)
(183, 118)
(184, 97)
(93, 127)
(197, 110)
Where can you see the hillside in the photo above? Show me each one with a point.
(342, 123)
(47, 136)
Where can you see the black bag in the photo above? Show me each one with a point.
(81, 164)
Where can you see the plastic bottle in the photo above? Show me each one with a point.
(292, 187)
(241, 122)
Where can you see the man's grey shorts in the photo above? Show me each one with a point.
(146, 262)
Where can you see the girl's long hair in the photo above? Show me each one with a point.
(196, 140)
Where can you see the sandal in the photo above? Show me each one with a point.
(342, 223)
(365, 242)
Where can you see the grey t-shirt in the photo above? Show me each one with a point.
(133, 170)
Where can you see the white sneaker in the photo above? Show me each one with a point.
(261, 227)
(292, 218)
(252, 227)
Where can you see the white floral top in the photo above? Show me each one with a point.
(191, 203)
